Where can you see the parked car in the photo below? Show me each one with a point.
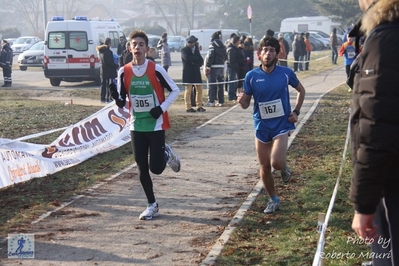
(176, 43)
(11, 40)
(24, 43)
(325, 35)
(325, 41)
(33, 57)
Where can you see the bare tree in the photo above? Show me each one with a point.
(65, 8)
(184, 10)
(30, 12)
(189, 8)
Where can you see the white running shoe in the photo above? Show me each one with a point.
(150, 212)
(172, 159)
(286, 174)
(272, 206)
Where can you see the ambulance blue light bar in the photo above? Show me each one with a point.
(57, 18)
(80, 18)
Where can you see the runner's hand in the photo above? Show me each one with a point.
(156, 112)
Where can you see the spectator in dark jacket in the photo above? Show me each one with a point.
(107, 69)
(334, 46)
(121, 45)
(6, 57)
(126, 56)
(214, 69)
(303, 49)
(286, 45)
(233, 64)
(241, 63)
(297, 51)
(192, 61)
(374, 131)
(249, 54)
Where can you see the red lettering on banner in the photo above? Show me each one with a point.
(88, 132)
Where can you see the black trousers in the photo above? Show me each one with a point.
(154, 143)
(387, 220)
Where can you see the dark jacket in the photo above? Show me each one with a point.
(191, 65)
(121, 48)
(297, 48)
(6, 56)
(374, 118)
(286, 46)
(216, 54)
(303, 45)
(108, 67)
(126, 57)
(233, 57)
(249, 58)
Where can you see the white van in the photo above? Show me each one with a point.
(70, 48)
(319, 23)
(204, 37)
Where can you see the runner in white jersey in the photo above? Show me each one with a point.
(141, 86)
(273, 118)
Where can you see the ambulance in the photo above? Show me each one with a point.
(70, 53)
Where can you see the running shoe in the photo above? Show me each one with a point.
(172, 158)
(286, 174)
(150, 212)
(272, 206)
(209, 104)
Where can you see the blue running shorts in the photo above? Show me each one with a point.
(266, 136)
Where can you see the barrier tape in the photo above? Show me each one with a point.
(320, 245)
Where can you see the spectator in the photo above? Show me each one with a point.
(286, 46)
(270, 33)
(268, 85)
(374, 131)
(107, 68)
(214, 69)
(233, 64)
(308, 49)
(249, 54)
(121, 45)
(6, 57)
(334, 44)
(152, 54)
(303, 49)
(282, 55)
(126, 56)
(150, 120)
(292, 36)
(241, 63)
(166, 61)
(297, 51)
(192, 62)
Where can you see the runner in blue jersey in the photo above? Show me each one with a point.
(273, 118)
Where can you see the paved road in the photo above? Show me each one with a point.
(218, 172)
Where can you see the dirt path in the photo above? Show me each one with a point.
(219, 169)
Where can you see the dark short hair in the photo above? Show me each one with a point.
(140, 34)
(269, 41)
(107, 41)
